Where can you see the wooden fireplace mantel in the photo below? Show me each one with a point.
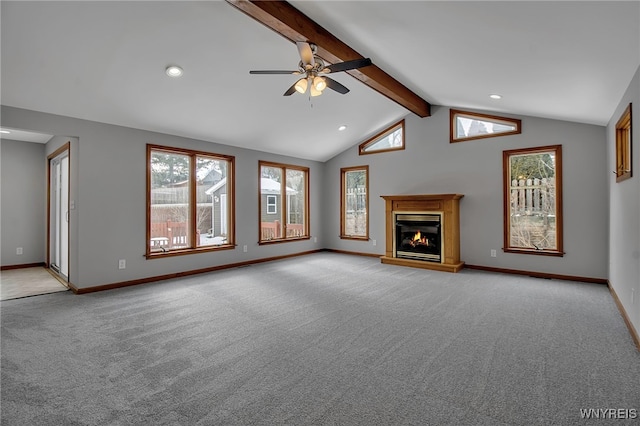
(445, 204)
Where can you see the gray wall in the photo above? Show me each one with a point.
(624, 226)
(109, 191)
(24, 194)
(432, 165)
(108, 187)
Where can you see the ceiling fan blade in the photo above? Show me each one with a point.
(306, 54)
(349, 65)
(291, 90)
(274, 72)
(332, 84)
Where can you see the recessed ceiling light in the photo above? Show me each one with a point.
(174, 71)
(343, 127)
(495, 96)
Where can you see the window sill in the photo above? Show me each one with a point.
(554, 253)
(283, 240)
(354, 237)
(182, 252)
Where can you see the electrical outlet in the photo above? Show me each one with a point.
(122, 263)
(315, 239)
(493, 253)
(244, 248)
(19, 250)
(374, 242)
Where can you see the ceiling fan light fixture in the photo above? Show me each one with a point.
(301, 85)
(319, 83)
(313, 69)
(314, 91)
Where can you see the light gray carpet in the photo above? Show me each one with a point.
(322, 339)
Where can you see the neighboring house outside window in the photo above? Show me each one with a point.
(283, 188)
(190, 201)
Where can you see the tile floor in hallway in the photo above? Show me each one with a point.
(25, 282)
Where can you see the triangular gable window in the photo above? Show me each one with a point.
(466, 126)
(390, 139)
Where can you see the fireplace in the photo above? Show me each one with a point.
(418, 236)
(423, 231)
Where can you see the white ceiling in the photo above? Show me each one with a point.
(105, 61)
(23, 135)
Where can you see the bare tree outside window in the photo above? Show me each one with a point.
(170, 194)
(354, 202)
(533, 201)
(467, 126)
(390, 139)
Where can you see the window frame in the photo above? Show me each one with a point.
(454, 113)
(624, 142)
(381, 135)
(343, 207)
(506, 155)
(283, 202)
(194, 248)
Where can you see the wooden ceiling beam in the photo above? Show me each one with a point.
(295, 26)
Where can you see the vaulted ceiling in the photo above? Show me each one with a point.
(105, 61)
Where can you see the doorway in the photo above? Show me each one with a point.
(58, 212)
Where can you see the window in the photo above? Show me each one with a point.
(354, 203)
(533, 200)
(623, 146)
(466, 126)
(190, 201)
(390, 139)
(285, 186)
(272, 207)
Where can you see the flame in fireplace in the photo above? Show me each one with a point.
(419, 239)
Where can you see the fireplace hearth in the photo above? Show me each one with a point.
(423, 231)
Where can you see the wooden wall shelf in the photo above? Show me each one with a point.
(445, 204)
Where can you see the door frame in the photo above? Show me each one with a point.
(66, 147)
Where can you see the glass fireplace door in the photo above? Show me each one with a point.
(418, 237)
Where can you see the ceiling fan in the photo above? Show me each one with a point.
(314, 72)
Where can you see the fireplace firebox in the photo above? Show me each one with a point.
(418, 236)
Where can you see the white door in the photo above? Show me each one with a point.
(59, 214)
